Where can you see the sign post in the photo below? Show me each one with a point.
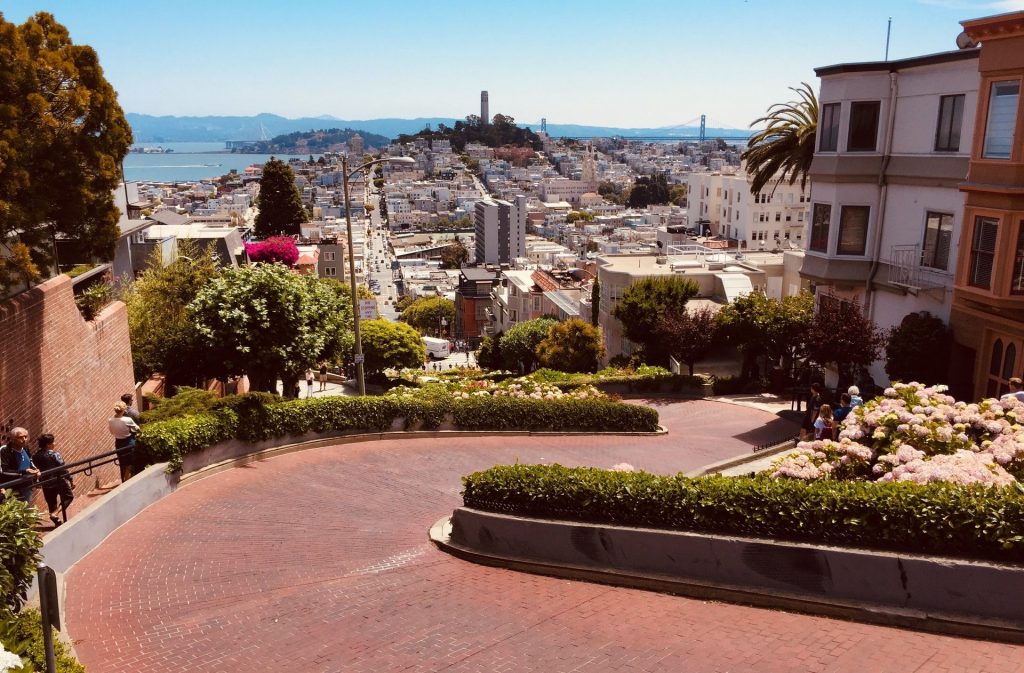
(50, 609)
(367, 309)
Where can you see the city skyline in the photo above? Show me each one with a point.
(596, 63)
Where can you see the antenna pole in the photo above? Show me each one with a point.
(888, 32)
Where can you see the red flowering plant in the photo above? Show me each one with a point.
(276, 249)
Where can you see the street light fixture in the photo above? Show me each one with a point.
(345, 177)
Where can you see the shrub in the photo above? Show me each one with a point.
(186, 401)
(92, 300)
(918, 349)
(945, 519)
(20, 548)
(22, 634)
(276, 249)
(256, 417)
(573, 345)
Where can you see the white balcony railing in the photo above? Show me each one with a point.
(905, 270)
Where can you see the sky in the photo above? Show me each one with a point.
(645, 63)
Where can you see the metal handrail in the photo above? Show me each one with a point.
(84, 466)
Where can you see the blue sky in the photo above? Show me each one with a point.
(614, 63)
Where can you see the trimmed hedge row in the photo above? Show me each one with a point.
(942, 519)
(258, 416)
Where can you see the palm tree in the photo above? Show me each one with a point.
(785, 148)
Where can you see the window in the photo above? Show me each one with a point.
(863, 126)
(938, 232)
(829, 127)
(330, 271)
(951, 116)
(778, 217)
(853, 230)
(1002, 366)
(819, 227)
(983, 251)
(1017, 282)
(329, 256)
(1002, 115)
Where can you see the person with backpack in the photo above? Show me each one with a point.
(56, 486)
(824, 426)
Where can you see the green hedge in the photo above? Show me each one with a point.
(20, 547)
(944, 519)
(22, 634)
(259, 416)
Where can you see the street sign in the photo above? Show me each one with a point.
(360, 358)
(367, 309)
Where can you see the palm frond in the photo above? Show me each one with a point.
(784, 148)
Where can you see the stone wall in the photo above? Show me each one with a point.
(61, 374)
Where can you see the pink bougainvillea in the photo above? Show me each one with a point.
(921, 434)
(276, 249)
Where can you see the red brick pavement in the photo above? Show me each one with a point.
(319, 562)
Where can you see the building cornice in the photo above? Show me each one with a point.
(995, 27)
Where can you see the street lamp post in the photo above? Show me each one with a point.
(345, 177)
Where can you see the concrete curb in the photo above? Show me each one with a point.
(593, 567)
(751, 457)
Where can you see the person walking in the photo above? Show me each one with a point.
(323, 376)
(309, 383)
(823, 424)
(16, 464)
(57, 485)
(123, 429)
(843, 410)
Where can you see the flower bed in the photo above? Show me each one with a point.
(259, 416)
(937, 518)
(918, 434)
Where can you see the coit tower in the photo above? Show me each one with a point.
(485, 116)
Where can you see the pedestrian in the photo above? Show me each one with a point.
(823, 424)
(56, 485)
(123, 429)
(813, 404)
(131, 412)
(16, 464)
(1016, 390)
(309, 383)
(323, 376)
(855, 398)
(843, 410)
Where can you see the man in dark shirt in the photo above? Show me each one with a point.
(15, 463)
(843, 410)
(55, 484)
(813, 404)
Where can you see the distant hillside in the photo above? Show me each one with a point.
(150, 129)
(314, 142)
(502, 132)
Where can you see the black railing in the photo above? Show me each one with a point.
(777, 443)
(54, 474)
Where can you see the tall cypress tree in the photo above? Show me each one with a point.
(281, 210)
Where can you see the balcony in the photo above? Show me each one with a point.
(904, 270)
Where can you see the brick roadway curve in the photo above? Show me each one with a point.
(318, 561)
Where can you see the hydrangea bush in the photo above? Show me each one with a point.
(520, 387)
(919, 434)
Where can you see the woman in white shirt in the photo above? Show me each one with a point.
(123, 428)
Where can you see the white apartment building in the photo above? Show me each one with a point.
(563, 189)
(500, 230)
(894, 142)
(772, 220)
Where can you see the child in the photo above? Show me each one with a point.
(56, 483)
(823, 424)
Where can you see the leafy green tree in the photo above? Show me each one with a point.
(840, 334)
(572, 346)
(269, 323)
(280, 206)
(579, 216)
(642, 305)
(403, 302)
(163, 337)
(689, 335)
(763, 327)
(784, 149)
(389, 345)
(62, 139)
(677, 194)
(425, 314)
(489, 354)
(918, 349)
(454, 255)
(519, 343)
(649, 190)
(595, 303)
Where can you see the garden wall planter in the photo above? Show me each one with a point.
(938, 594)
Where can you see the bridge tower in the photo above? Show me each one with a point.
(703, 119)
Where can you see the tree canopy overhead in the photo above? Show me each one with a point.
(63, 136)
(281, 211)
